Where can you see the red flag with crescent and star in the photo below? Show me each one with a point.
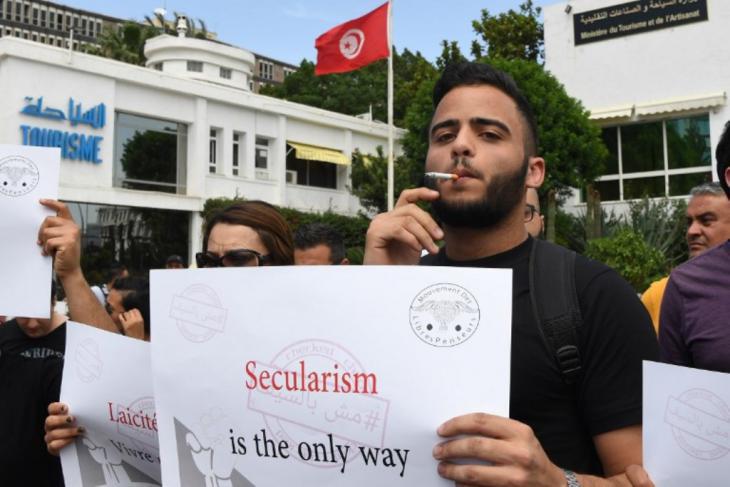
(354, 44)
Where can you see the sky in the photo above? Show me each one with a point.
(286, 29)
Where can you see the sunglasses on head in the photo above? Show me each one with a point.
(232, 258)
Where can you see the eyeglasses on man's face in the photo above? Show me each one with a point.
(231, 258)
(530, 212)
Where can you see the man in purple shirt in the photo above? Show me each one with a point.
(695, 315)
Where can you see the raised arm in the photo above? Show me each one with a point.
(60, 237)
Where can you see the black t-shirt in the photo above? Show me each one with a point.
(616, 336)
(14, 340)
(27, 386)
(30, 379)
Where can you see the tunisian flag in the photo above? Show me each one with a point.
(354, 44)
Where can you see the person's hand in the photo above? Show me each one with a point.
(61, 428)
(60, 237)
(638, 476)
(515, 455)
(132, 323)
(399, 236)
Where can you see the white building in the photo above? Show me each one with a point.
(170, 137)
(655, 76)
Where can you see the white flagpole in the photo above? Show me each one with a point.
(390, 107)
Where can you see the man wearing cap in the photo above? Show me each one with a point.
(174, 262)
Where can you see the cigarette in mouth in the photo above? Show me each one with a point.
(442, 175)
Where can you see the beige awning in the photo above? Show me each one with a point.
(710, 100)
(314, 153)
(624, 111)
(685, 104)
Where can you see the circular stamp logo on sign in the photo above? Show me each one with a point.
(89, 365)
(18, 176)
(700, 421)
(351, 43)
(198, 313)
(444, 315)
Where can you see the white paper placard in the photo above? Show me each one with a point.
(107, 383)
(686, 426)
(27, 174)
(240, 358)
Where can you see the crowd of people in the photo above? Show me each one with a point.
(576, 374)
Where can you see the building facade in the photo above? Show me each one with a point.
(142, 149)
(654, 76)
(51, 23)
(269, 71)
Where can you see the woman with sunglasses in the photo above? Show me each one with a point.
(249, 233)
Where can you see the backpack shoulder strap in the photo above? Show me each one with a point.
(555, 304)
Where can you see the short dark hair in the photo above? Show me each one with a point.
(135, 294)
(474, 74)
(312, 234)
(115, 270)
(722, 154)
(265, 220)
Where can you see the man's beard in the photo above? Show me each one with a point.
(503, 193)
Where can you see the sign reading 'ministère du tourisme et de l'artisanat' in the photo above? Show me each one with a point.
(635, 17)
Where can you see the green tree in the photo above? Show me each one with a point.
(150, 156)
(369, 178)
(124, 43)
(509, 35)
(357, 91)
(450, 53)
(629, 254)
(569, 142)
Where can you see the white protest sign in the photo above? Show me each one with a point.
(27, 174)
(686, 426)
(323, 375)
(107, 383)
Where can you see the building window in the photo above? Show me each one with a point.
(225, 73)
(656, 159)
(140, 238)
(43, 18)
(319, 174)
(262, 153)
(266, 70)
(213, 151)
(150, 154)
(195, 66)
(288, 71)
(235, 166)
